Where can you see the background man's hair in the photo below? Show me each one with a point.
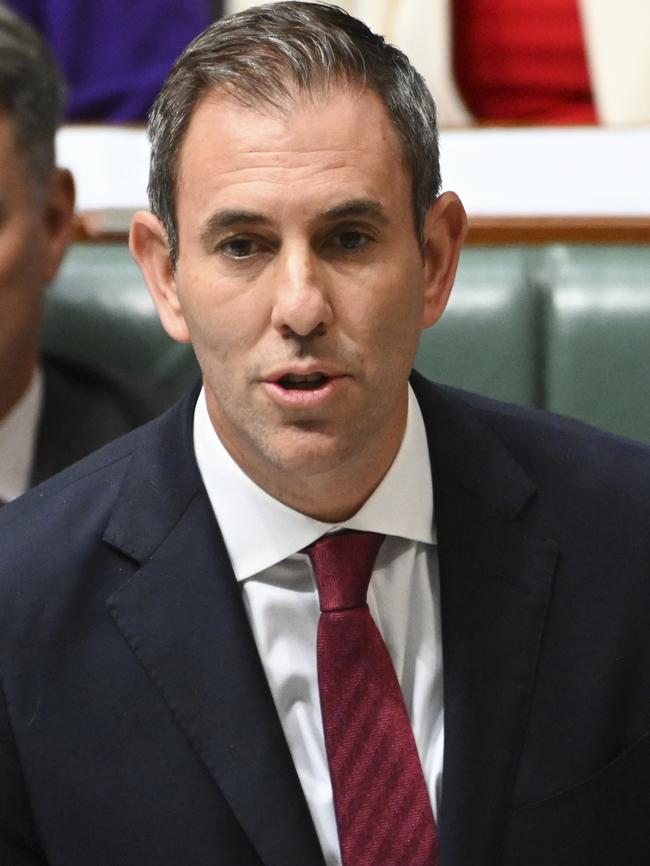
(263, 57)
(32, 92)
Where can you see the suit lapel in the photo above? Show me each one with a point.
(183, 616)
(496, 576)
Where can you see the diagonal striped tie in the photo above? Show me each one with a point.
(383, 811)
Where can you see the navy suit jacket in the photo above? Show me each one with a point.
(136, 724)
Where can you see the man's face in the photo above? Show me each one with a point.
(35, 227)
(21, 238)
(301, 283)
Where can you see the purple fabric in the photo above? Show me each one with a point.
(115, 54)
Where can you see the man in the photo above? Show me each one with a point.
(52, 412)
(166, 698)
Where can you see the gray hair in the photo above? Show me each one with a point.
(32, 92)
(262, 57)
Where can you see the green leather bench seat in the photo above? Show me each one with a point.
(563, 327)
(597, 364)
(488, 339)
(99, 311)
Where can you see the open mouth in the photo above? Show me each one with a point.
(310, 382)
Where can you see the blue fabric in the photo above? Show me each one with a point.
(115, 55)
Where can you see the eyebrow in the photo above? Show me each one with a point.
(229, 217)
(224, 219)
(358, 207)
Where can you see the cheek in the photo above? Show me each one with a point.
(386, 338)
(224, 326)
(393, 305)
(11, 243)
(19, 265)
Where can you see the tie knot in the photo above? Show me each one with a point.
(342, 566)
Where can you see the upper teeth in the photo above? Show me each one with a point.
(310, 377)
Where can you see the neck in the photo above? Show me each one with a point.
(337, 495)
(329, 503)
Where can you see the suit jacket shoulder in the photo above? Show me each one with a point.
(135, 718)
(544, 547)
(566, 460)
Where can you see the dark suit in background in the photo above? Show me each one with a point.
(82, 410)
(136, 723)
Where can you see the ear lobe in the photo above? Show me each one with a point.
(149, 248)
(58, 219)
(445, 229)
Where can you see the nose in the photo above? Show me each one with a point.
(301, 306)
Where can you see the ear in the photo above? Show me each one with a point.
(57, 215)
(150, 248)
(445, 228)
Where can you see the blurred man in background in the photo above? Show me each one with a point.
(51, 412)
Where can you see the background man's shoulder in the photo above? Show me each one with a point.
(87, 486)
(84, 409)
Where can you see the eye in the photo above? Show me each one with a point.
(351, 239)
(239, 248)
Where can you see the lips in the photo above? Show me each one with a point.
(303, 389)
(298, 382)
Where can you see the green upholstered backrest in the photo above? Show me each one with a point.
(597, 359)
(98, 311)
(488, 339)
(566, 328)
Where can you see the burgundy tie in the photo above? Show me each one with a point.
(383, 812)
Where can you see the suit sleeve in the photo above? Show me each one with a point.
(18, 840)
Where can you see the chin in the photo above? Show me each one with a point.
(308, 452)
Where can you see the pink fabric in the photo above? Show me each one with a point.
(382, 805)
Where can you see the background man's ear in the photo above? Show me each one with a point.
(149, 247)
(57, 220)
(445, 228)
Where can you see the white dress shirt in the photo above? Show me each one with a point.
(263, 537)
(18, 441)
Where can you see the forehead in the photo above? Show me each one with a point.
(320, 142)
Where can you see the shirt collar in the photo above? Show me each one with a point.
(259, 531)
(18, 440)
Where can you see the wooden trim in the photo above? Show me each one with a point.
(103, 226)
(501, 231)
(112, 227)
